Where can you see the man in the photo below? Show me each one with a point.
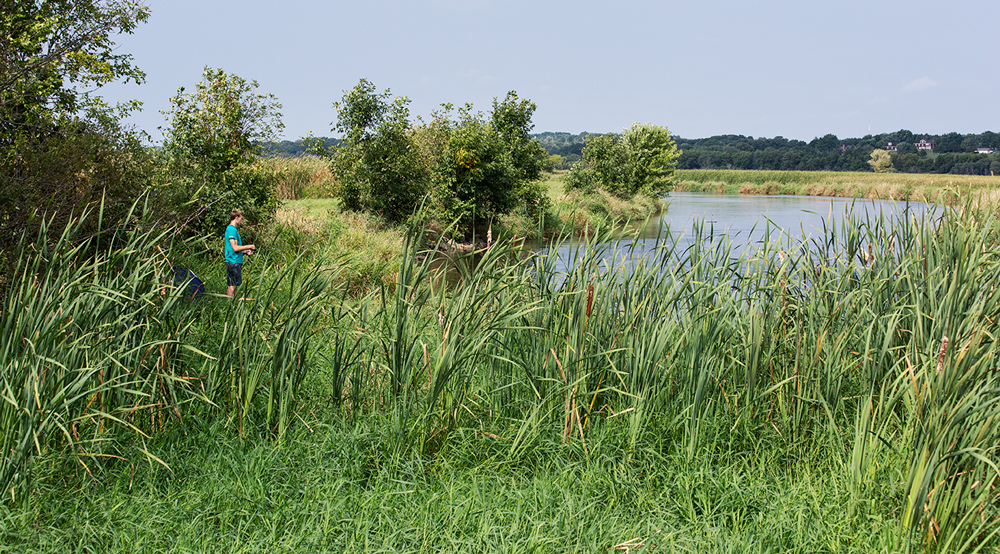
(235, 249)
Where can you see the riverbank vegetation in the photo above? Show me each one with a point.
(838, 396)
(948, 189)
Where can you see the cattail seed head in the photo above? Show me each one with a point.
(944, 348)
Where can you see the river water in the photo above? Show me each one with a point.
(744, 218)
(747, 221)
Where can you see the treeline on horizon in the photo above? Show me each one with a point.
(953, 153)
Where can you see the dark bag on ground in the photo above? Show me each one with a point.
(186, 280)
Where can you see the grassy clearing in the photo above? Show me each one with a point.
(303, 177)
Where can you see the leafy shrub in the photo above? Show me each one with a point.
(211, 152)
(486, 169)
(474, 169)
(377, 167)
(639, 161)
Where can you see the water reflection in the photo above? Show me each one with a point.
(745, 221)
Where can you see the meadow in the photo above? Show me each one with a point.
(915, 187)
(836, 398)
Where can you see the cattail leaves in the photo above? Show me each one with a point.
(94, 340)
(870, 349)
(86, 344)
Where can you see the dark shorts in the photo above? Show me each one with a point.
(234, 274)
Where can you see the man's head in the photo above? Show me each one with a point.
(235, 217)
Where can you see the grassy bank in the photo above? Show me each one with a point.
(577, 214)
(889, 186)
(367, 251)
(308, 190)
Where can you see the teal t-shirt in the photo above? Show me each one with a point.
(233, 257)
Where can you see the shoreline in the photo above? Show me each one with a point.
(945, 189)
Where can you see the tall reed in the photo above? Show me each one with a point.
(828, 348)
(87, 344)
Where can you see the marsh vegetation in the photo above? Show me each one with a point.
(839, 397)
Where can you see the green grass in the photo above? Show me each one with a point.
(786, 400)
(332, 490)
(942, 188)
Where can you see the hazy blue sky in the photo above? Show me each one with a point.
(794, 68)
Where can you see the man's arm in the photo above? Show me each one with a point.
(238, 248)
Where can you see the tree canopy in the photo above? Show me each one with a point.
(953, 152)
(61, 147)
(55, 51)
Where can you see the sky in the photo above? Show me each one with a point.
(794, 68)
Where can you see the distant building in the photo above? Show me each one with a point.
(924, 145)
(984, 150)
(891, 147)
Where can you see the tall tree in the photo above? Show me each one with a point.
(214, 138)
(377, 166)
(54, 52)
(61, 146)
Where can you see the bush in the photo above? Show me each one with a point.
(377, 167)
(487, 169)
(640, 161)
(78, 163)
(475, 170)
(211, 153)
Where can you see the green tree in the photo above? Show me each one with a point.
(475, 169)
(212, 147)
(377, 166)
(54, 52)
(881, 161)
(639, 161)
(61, 146)
(484, 169)
(826, 143)
(950, 142)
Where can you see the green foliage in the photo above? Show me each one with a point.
(61, 147)
(211, 150)
(881, 161)
(81, 163)
(377, 166)
(100, 344)
(475, 169)
(602, 167)
(693, 384)
(53, 51)
(640, 161)
(485, 169)
(88, 342)
(953, 153)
